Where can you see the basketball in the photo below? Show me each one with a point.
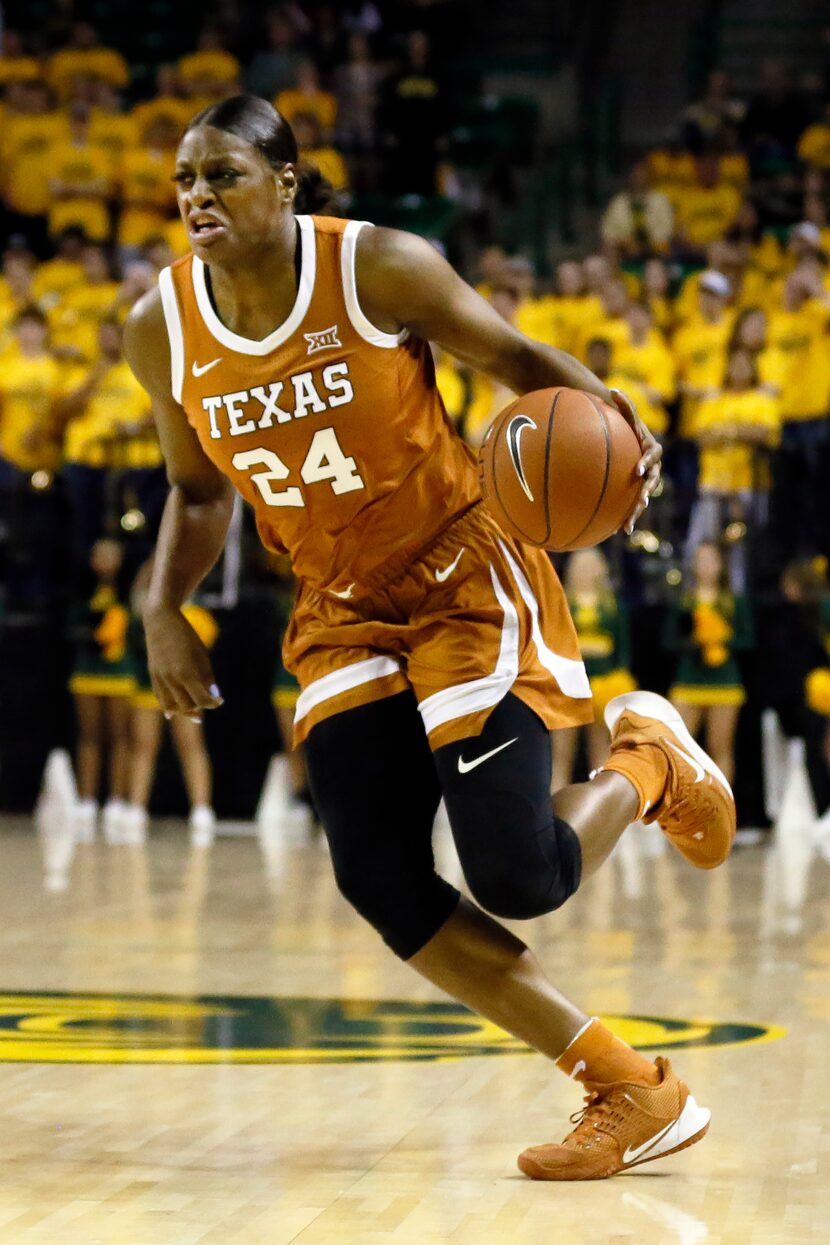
(558, 469)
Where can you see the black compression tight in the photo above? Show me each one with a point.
(377, 787)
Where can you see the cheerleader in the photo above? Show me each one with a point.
(706, 627)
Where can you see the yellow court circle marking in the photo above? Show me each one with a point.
(212, 1029)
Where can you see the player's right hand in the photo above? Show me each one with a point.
(180, 666)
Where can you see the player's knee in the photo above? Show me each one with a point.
(407, 911)
(523, 871)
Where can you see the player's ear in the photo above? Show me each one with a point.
(287, 182)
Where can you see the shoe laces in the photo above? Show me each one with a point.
(602, 1107)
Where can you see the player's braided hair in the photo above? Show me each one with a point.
(257, 122)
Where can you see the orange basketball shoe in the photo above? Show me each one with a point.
(696, 808)
(621, 1125)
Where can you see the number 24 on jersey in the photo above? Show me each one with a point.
(324, 461)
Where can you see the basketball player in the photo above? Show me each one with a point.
(288, 358)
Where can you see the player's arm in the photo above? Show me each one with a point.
(193, 526)
(404, 283)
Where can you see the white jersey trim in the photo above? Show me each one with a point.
(360, 321)
(569, 673)
(478, 694)
(343, 680)
(246, 345)
(170, 307)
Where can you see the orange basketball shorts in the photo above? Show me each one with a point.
(473, 617)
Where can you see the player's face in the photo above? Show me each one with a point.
(230, 198)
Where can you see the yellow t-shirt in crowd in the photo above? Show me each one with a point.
(330, 163)
(662, 312)
(113, 132)
(101, 64)
(671, 171)
(814, 146)
(653, 414)
(535, 318)
(705, 213)
(321, 104)
(54, 279)
(146, 175)
(19, 69)
(699, 350)
(78, 165)
(215, 66)
(733, 169)
(93, 437)
(29, 388)
(26, 145)
(76, 320)
(800, 343)
(570, 314)
(166, 107)
(728, 468)
(613, 329)
(651, 364)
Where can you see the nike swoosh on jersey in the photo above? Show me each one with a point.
(635, 1153)
(200, 371)
(464, 767)
(344, 596)
(696, 766)
(448, 570)
(515, 429)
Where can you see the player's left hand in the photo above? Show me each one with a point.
(652, 452)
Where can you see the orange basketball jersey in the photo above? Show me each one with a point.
(332, 430)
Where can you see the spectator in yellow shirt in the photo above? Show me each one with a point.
(645, 357)
(572, 307)
(30, 384)
(735, 430)
(749, 334)
(77, 319)
(706, 209)
(312, 151)
(699, 347)
(211, 71)
(649, 407)
(308, 97)
(655, 291)
(148, 195)
(639, 220)
(84, 60)
(110, 128)
(798, 337)
(611, 324)
(15, 64)
(109, 428)
(167, 102)
(534, 314)
(814, 144)
(81, 181)
(16, 292)
(64, 271)
(27, 140)
(490, 264)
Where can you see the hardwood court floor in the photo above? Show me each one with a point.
(353, 1149)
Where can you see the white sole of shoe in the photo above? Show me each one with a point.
(690, 1126)
(650, 705)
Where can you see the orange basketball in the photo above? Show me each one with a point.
(558, 469)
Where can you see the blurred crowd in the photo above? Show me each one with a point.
(706, 298)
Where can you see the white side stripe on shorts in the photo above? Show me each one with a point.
(343, 680)
(569, 674)
(478, 694)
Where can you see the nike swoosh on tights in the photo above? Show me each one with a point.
(464, 767)
(637, 1151)
(696, 766)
